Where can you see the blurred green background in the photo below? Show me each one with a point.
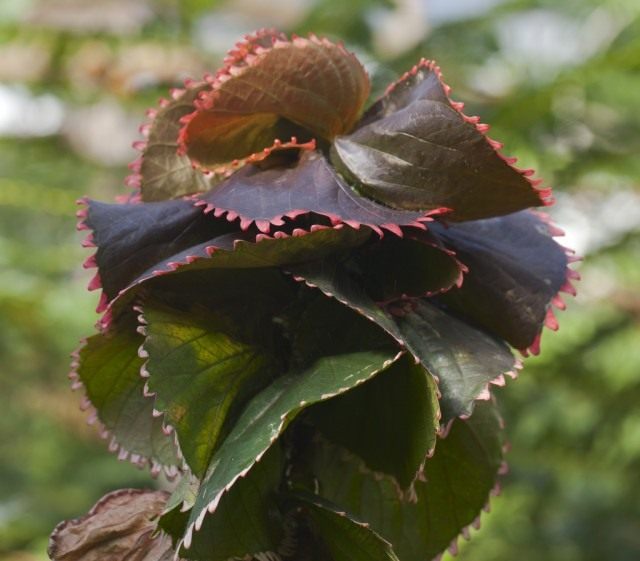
(558, 81)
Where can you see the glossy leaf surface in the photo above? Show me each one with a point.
(390, 422)
(462, 358)
(310, 185)
(414, 150)
(458, 481)
(340, 350)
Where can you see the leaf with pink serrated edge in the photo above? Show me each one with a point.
(306, 87)
(516, 269)
(390, 422)
(336, 351)
(471, 455)
(108, 369)
(311, 185)
(202, 366)
(415, 150)
(462, 358)
(402, 268)
(136, 243)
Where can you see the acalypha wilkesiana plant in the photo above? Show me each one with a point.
(305, 306)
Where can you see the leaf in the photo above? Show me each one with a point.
(139, 242)
(458, 481)
(414, 149)
(515, 271)
(390, 422)
(407, 267)
(346, 539)
(249, 524)
(267, 196)
(119, 527)
(131, 238)
(108, 366)
(462, 358)
(203, 365)
(340, 351)
(163, 173)
(276, 92)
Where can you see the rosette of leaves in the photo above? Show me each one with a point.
(304, 307)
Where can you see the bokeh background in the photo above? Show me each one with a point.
(558, 80)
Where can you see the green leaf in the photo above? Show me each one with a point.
(109, 368)
(463, 359)
(203, 369)
(277, 92)
(164, 173)
(335, 350)
(346, 539)
(390, 422)
(458, 481)
(248, 524)
(415, 150)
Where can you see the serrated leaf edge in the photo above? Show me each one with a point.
(144, 374)
(106, 307)
(278, 220)
(134, 179)
(495, 492)
(115, 447)
(245, 55)
(211, 507)
(484, 395)
(545, 194)
(457, 282)
(557, 302)
(410, 495)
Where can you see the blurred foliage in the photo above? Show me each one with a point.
(560, 84)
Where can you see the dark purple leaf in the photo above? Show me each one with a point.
(267, 197)
(131, 238)
(415, 149)
(138, 242)
(400, 268)
(515, 272)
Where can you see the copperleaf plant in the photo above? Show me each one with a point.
(304, 308)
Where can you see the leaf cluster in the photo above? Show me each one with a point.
(302, 305)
